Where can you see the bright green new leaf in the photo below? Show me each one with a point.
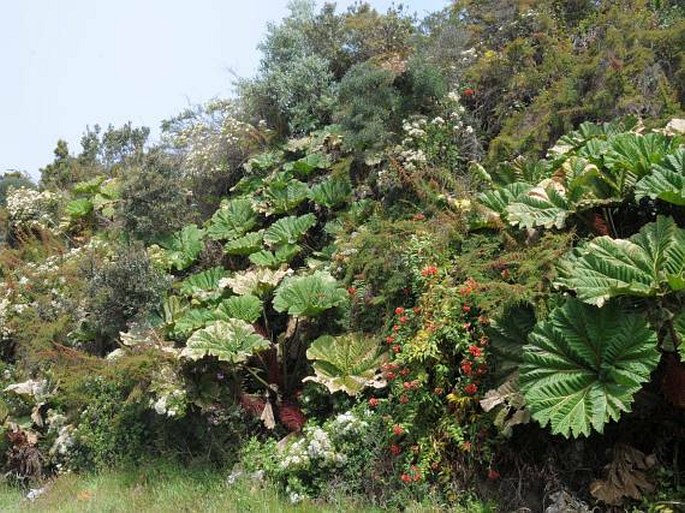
(651, 262)
(245, 245)
(545, 205)
(666, 182)
(183, 247)
(289, 230)
(309, 296)
(283, 255)
(349, 363)
(583, 366)
(203, 285)
(232, 341)
(331, 193)
(247, 308)
(232, 220)
(78, 208)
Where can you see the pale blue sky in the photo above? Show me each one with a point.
(71, 63)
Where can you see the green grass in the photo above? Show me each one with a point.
(168, 488)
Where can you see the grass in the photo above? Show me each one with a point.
(168, 488)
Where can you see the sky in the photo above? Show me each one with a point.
(68, 64)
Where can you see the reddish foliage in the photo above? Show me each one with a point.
(291, 417)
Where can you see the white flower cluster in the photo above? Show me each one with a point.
(348, 423)
(315, 447)
(206, 137)
(31, 209)
(5, 305)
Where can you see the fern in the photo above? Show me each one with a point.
(583, 366)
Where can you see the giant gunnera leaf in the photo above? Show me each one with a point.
(231, 341)
(331, 193)
(183, 247)
(232, 220)
(650, 263)
(666, 181)
(247, 308)
(309, 296)
(348, 363)
(289, 230)
(583, 365)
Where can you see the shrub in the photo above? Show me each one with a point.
(123, 289)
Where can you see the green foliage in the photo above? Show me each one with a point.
(348, 363)
(331, 193)
(124, 289)
(183, 247)
(245, 245)
(203, 286)
(232, 220)
(367, 104)
(13, 179)
(584, 365)
(308, 296)
(232, 341)
(275, 259)
(289, 230)
(650, 263)
(283, 196)
(154, 199)
(246, 308)
(666, 181)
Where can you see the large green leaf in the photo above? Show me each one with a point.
(283, 196)
(231, 341)
(289, 230)
(79, 208)
(257, 281)
(232, 220)
(307, 164)
(583, 366)
(499, 198)
(348, 363)
(545, 205)
(666, 182)
(191, 320)
(331, 193)
(631, 157)
(183, 247)
(245, 245)
(283, 255)
(310, 295)
(651, 262)
(204, 285)
(247, 308)
(509, 334)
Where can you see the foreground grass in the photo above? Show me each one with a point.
(170, 489)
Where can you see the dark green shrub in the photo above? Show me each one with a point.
(123, 289)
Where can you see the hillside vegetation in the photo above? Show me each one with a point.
(434, 261)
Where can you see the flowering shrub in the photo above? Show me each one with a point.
(27, 208)
(438, 364)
